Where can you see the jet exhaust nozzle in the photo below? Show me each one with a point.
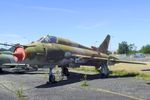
(19, 54)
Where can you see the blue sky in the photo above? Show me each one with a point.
(84, 21)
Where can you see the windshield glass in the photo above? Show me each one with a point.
(48, 39)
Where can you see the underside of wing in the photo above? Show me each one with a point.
(112, 59)
(89, 57)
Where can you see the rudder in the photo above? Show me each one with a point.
(104, 46)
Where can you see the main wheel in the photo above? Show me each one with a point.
(65, 71)
(104, 70)
(1, 70)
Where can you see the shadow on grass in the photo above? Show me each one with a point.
(121, 74)
(76, 77)
(148, 83)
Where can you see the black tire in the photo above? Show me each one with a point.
(103, 75)
(1, 70)
(65, 71)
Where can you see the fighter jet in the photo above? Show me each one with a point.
(8, 61)
(5, 57)
(52, 51)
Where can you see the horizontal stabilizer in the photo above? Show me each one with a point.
(129, 62)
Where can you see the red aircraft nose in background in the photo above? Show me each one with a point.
(19, 54)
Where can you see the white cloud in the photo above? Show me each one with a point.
(11, 35)
(53, 9)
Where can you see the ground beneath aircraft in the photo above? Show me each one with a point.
(33, 86)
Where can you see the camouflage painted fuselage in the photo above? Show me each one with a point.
(59, 54)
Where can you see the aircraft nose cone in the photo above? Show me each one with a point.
(19, 54)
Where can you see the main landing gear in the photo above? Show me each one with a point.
(65, 71)
(104, 71)
(63, 74)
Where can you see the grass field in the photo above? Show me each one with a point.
(137, 68)
(122, 69)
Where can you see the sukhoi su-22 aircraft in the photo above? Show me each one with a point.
(51, 50)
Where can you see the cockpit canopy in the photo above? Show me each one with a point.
(48, 39)
(62, 41)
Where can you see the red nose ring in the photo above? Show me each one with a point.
(19, 54)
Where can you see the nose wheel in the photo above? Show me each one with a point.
(51, 75)
(52, 79)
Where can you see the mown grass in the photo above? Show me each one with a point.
(117, 72)
(137, 75)
(143, 76)
(86, 69)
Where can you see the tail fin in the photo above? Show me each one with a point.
(104, 46)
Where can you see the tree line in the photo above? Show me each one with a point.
(125, 48)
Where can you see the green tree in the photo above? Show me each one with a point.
(145, 49)
(132, 49)
(125, 48)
